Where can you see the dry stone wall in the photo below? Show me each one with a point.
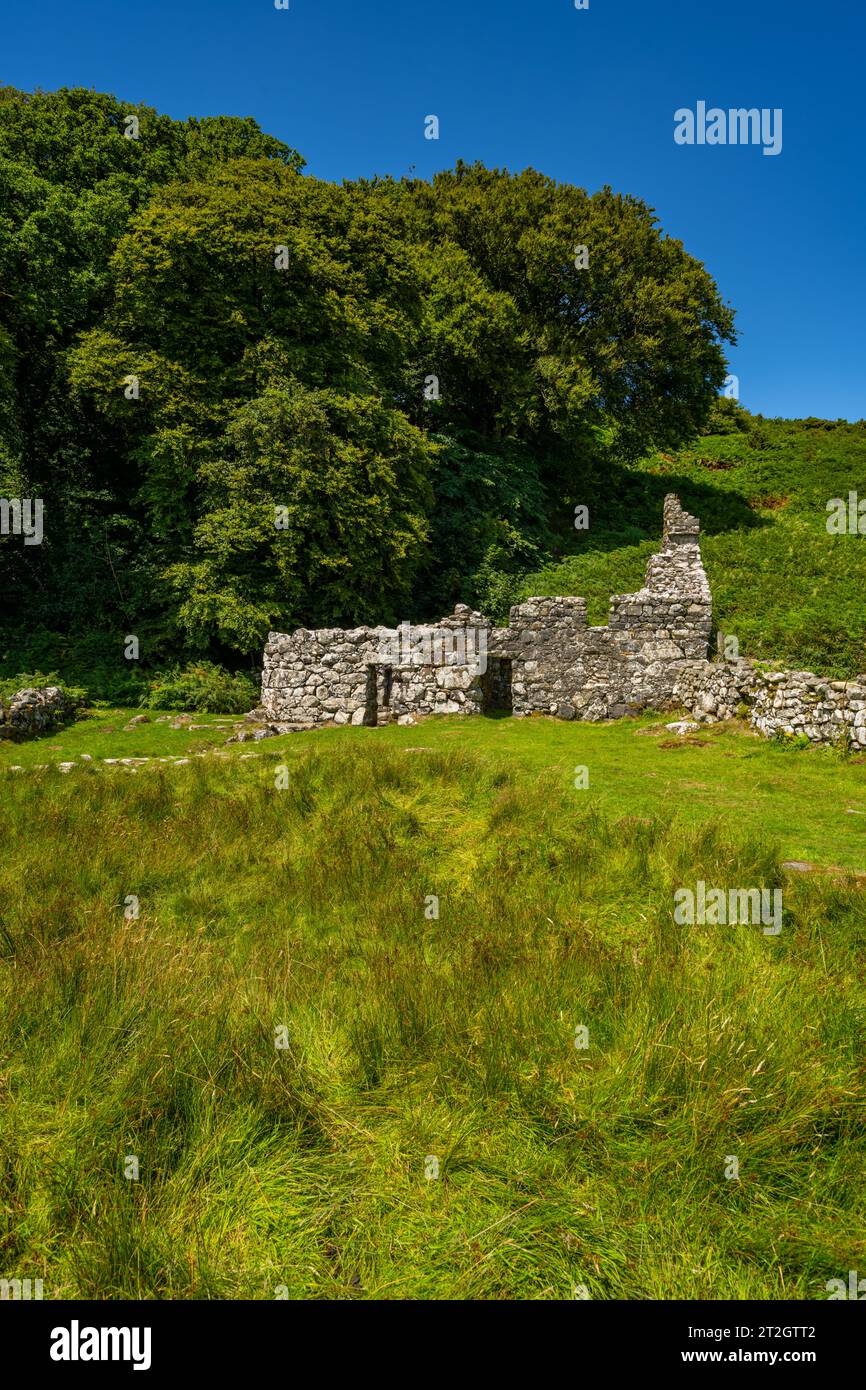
(370, 675)
(788, 703)
(561, 666)
(548, 660)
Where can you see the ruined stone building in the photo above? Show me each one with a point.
(653, 654)
(547, 661)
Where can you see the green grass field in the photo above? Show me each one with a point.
(430, 1129)
(808, 803)
(103, 734)
(412, 1037)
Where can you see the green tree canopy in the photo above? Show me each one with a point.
(194, 333)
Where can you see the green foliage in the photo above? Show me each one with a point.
(315, 511)
(631, 341)
(69, 183)
(727, 416)
(790, 742)
(787, 590)
(283, 333)
(93, 661)
(489, 523)
(202, 687)
(38, 680)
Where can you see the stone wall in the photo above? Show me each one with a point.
(370, 675)
(562, 666)
(775, 702)
(555, 662)
(30, 712)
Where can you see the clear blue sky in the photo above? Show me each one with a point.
(585, 96)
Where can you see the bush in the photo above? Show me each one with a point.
(202, 688)
(727, 416)
(91, 660)
(758, 439)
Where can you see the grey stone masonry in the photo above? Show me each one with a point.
(370, 675)
(787, 703)
(561, 666)
(653, 654)
(30, 712)
(547, 660)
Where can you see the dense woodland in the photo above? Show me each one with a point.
(302, 378)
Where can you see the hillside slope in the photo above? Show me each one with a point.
(782, 585)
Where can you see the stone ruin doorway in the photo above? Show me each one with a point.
(496, 686)
(377, 695)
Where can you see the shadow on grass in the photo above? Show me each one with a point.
(626, 508)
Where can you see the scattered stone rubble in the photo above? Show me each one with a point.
(31, 712)
(131, 764)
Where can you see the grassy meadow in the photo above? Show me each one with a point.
(305, 916)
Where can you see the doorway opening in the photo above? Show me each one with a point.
(496, 686)
(371, 702)
(377, 694)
